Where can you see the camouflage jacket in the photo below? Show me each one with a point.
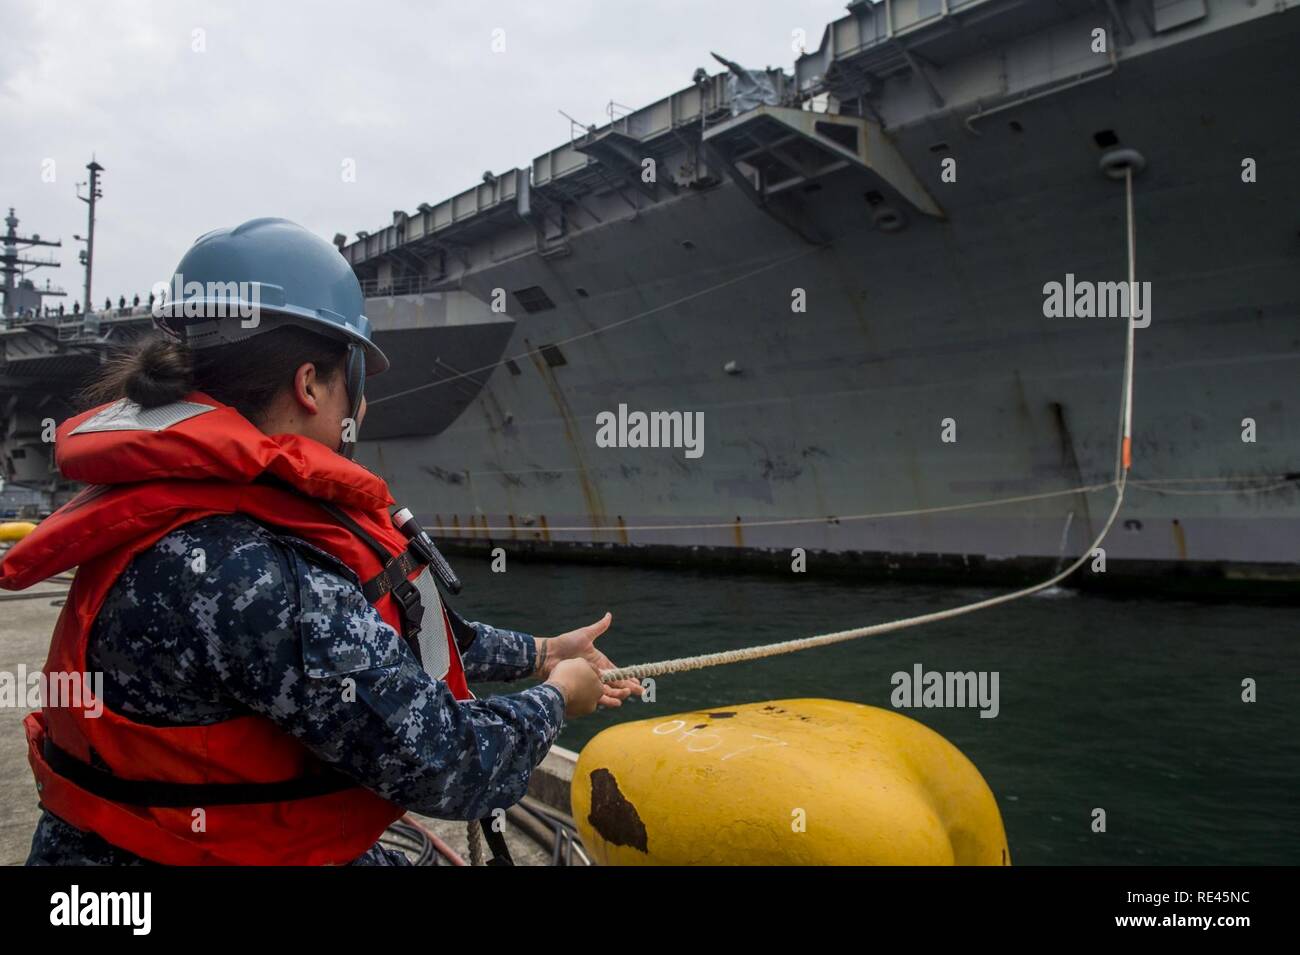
(272, 627)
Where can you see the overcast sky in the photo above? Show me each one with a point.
(259, 121)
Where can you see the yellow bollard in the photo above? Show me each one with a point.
(12, 531)
(788, 782)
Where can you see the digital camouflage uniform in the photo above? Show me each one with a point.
(224, 618)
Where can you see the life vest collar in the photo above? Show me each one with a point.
(196, 439)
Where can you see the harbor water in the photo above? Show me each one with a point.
(1130, 706)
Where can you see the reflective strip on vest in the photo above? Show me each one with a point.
(435, 649)
(126, 415)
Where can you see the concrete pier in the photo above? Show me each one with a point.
(25, 628)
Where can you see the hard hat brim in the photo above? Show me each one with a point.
(203, 332)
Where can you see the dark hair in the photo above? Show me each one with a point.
(247, 375)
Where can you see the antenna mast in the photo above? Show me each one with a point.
(88, 253)
(12, 262)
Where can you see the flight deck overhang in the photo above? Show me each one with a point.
(463, 219)
(879, 38)
(595, 159)
(773, 149)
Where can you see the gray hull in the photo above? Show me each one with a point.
(836, 413)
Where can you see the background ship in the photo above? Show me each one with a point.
(520, 309)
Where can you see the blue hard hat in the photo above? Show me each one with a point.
(232, 279)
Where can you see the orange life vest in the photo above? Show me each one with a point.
(150, 472)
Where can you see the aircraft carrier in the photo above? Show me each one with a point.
(844, 267)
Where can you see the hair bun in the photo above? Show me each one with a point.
(159, 373)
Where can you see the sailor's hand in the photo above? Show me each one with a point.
(580, 644)
(580, 686)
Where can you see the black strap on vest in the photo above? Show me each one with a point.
(143, 792)
(497, 843)
(393, 579)
(397, 569)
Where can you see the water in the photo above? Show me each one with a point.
(1133, 706)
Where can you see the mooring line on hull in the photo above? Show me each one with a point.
(700, 293)
(1153, 485)
(830, 519)
(1256, 488)
(1123, 461)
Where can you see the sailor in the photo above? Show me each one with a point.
(280, 677)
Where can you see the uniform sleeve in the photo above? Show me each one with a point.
(498, 654)
(300, 644)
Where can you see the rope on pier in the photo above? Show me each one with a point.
(475, 835)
